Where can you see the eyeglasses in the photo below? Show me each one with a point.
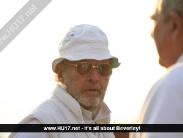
(85, 67)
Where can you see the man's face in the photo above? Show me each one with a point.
(161, 35)
(88, 90)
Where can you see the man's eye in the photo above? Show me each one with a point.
(84, 67)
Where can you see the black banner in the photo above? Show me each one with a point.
(91, 127)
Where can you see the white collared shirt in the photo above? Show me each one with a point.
(164, 103)
(86, 115)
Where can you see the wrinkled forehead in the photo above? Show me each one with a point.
(157, 11)
(159, 6)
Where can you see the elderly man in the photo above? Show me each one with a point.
(83, 68)
(164, 103)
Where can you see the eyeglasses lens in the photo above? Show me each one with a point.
(103, 69)
(84, 68)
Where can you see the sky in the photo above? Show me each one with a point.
(26, 77)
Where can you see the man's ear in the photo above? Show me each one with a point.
(59, 72)
(177, 24)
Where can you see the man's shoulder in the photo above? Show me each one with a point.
(170, 83)
(49, 107)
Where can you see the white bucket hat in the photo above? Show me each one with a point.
(85, 42)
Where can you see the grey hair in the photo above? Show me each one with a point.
(164, 7)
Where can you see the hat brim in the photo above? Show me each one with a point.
(55, 62)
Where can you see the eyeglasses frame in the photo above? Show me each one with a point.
(93, 67)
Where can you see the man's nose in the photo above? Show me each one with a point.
(93, 75)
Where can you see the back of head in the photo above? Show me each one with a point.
(168, 31)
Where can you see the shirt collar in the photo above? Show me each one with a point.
(103, 112)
